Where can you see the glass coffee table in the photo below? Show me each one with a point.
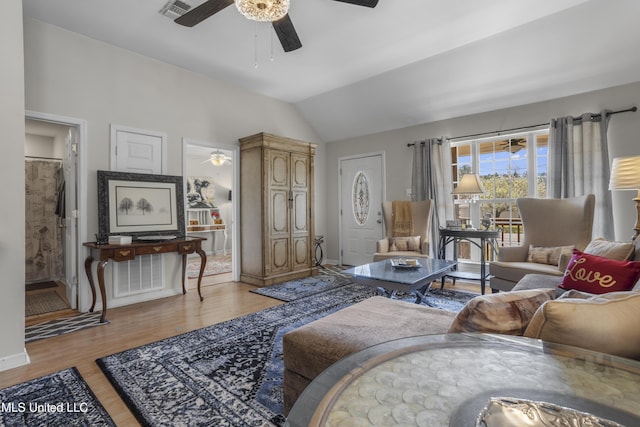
(448, 380)
(391, 275)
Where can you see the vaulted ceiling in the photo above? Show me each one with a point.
(402, 63)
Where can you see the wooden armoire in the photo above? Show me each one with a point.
(276, 209)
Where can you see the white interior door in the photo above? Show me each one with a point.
(138, 151)
(361, 196)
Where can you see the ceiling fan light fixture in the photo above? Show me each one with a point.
(217, 159)
(263, 10)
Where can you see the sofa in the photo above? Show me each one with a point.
(536, 308)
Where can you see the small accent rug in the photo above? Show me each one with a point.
(43, 302)
(301, 288)
(229, 374)
(218, 264)
(59, 399)
(65, 325)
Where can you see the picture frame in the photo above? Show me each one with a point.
(136, 204)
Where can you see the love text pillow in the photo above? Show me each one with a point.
(598, 275)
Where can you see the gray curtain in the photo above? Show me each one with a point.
(579, 165)
(431, 178)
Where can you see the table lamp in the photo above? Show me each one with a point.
(625, 175)
(469, 187)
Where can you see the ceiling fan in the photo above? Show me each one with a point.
(513, 145)
(218, 158)
(259, 10)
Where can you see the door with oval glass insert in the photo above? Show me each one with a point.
(361, 195)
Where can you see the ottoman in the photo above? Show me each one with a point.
(312, 348)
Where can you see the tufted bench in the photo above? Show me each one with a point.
(312, 348)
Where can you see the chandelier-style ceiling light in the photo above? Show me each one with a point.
(263, 10)
(217, 159)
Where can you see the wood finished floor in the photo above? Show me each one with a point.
(139, 324)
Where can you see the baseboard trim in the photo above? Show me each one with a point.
(14, 360)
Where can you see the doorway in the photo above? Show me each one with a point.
(53, 232)
(210, 172)
(361, 194)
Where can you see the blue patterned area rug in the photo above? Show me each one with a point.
(301, 288)
(59, 399)
(228, 374)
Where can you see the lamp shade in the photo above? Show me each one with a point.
(469, 184)
(625, 173)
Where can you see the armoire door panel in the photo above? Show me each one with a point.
(301, 252)
(279, 212)
(299, 171)
(300, 211)
(279, 256)
(278, 164)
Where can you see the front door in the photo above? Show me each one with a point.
(361, 196)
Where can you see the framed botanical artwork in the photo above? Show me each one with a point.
(199, 192)
(140, 204)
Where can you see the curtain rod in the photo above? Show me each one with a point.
(498, 132)
(43, 158)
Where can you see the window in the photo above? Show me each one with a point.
(509, 166)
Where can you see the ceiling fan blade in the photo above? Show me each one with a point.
(287, 33)
(202, 12)
(366, 3)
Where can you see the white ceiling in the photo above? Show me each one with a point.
(405, 62)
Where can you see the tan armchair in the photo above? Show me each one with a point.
(421, 213)
(548, 223)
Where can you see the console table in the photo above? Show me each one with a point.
(105, 252)
(488, 242)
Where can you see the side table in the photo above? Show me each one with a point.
(486, 240)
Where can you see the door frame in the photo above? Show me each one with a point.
(81, 287)
(235, 190)
(383, 195)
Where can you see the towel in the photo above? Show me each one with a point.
(401, 218)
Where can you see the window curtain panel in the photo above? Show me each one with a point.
(579, 165)
(431, 178)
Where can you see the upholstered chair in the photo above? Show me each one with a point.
(414, 245)
(552, 228)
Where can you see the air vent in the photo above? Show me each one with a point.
(174, 9)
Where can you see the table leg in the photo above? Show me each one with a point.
(483, 245)
(203, 264)
(184, 273)
(103, 293)
(87, 269)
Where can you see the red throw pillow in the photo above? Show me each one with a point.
(598, 275)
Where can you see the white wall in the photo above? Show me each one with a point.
(623, 139)
(12, 352)
(74, 76)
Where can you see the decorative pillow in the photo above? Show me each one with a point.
(409, 243)
(598, 275)
(621, 251)
(502, 313)
(604, 323)
(550, 256)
